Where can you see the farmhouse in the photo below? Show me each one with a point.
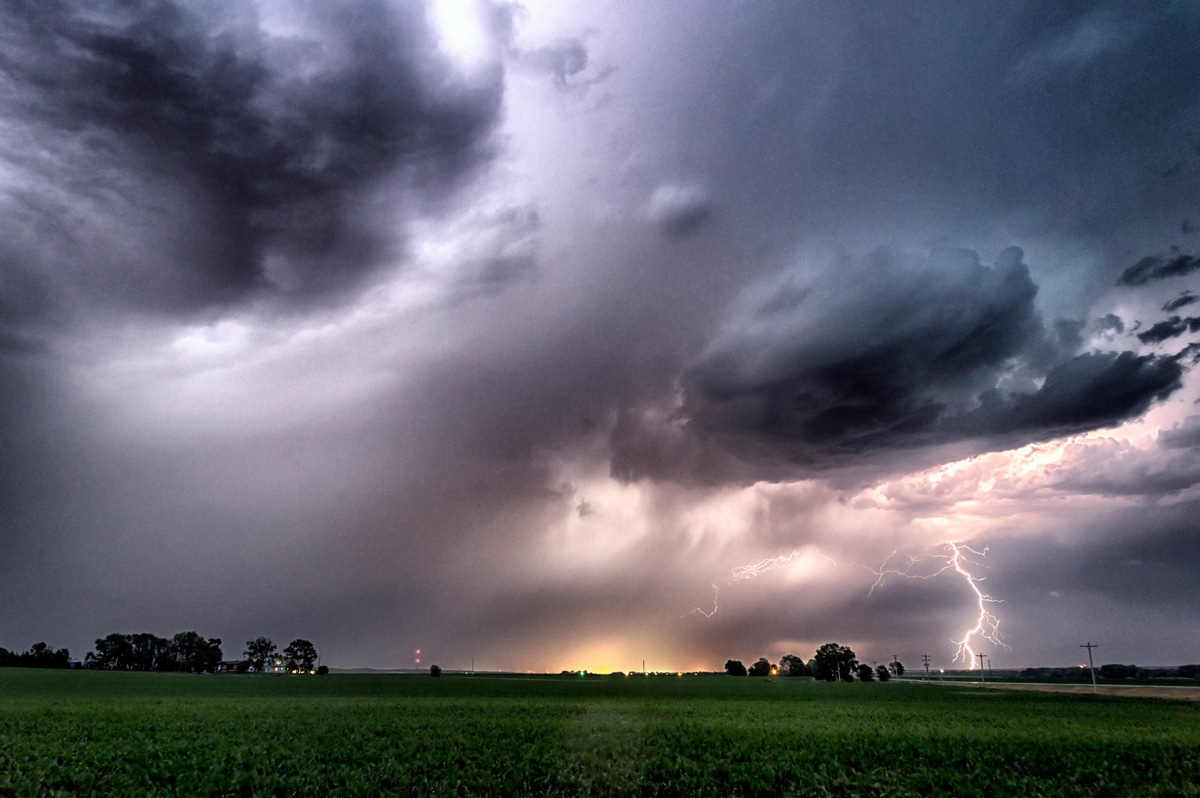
(275, 665)
(235, 666)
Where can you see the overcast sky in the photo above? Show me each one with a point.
(515, 332)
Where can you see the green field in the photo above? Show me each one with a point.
(132, 734)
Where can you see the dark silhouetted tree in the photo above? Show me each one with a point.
(833, 661)
(322, 670)
(1113, 671)
(761, 668)
(866, 673)
(258, 651)
(195, 654)
(148, 652)
(734, 667)
(114, 652)
(301, 655)
(791, 665)
(435, 670)
(882, 673)
(897, 668)
(39, 655)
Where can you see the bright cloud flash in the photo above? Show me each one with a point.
(462, 32)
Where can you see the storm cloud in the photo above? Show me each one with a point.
(506, 332)
(1169, 328)
(1155, 267)
(199, 156)
(900, 350)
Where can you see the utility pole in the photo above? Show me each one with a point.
(925, 659)
(982, 675)
(1089, 646)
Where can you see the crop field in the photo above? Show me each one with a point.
(163, 734)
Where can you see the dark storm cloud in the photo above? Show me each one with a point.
(1109, 324)
(1097, 389)
(268, 144)
(1183, 300)
(1070, 333)
(1169, 328)
(1155, 267)
(898, 351)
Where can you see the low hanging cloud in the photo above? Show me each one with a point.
(680, 211)
(1169, 328)
(898, 351)
(169, 155)
(1183, 300)
(1155, 267)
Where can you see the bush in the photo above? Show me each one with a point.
(435, 670)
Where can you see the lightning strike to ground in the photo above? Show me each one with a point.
(952, 556)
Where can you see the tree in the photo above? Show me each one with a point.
(734, 667)
(791, 665)
(834, 661)
(194, 654)
(300, 655)
(39, 655)
(883, 673)
(761, 668)
(866, 673)
(897, 668)
(1115, 671)
(322, 670)
(114, 652)
(148, 652)
(258, 651)
(435, 670)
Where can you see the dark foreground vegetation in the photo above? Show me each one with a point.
(99, 732)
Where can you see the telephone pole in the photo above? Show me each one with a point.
(1089, 646)
(925, 659)
(982, 675)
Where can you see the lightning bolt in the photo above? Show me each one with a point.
(748, 572)
(950, 557)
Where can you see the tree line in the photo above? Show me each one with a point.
(189, 652)
(39, 655)
(1115, 671)
(831, 663)
(185, 652)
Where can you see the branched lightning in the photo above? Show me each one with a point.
(747, 572)
(951, 556)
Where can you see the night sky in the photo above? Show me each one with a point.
(508, 331)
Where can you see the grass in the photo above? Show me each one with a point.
(167, 734)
